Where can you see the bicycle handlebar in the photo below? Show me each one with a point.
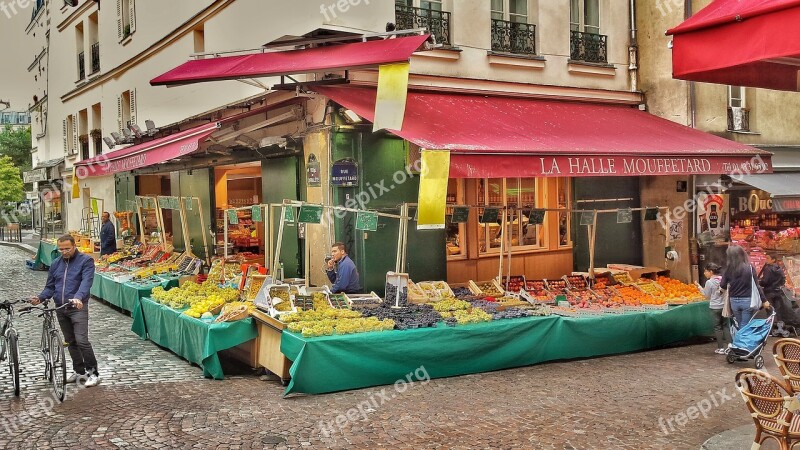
(43, 309)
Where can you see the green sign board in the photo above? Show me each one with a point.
(367, 221)
(188, 202)
(233, 218)
(651, 214)
(536, 217)
(288, 215)
(256, 214)
(163, 203)
(311, 214)
(460, 214)
(587, 217)
(490, 215)
(624, 216)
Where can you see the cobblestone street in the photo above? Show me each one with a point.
(149, 398)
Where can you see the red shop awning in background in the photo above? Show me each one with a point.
(147, 153)
(493, 136)
(742, 43)
(319, 59)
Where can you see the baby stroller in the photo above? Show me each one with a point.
(749, 341)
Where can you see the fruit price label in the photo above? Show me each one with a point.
(624, 216)
(490, 215)
(460, 214)
(233, 218)
(311, 214)
(256, 214)
(536, 217)
(587, 217)
(367, 221)
(651, 214)
(288, 215)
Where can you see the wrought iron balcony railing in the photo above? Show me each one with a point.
(437, 22)
(96, 57)
(81, 66)
(738, 119)
(588, 47)
(513, 37)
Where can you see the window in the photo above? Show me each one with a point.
(456, 232)
(70, 134)
(584, 15)
(126, 18)
(564, 196)
(424, 14)
(126, 109)
(511, 32)
(81, 54)
(736, 97)
(520, 196)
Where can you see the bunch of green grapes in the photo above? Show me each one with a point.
(317, 329)
(451, 304)
(476, 315)
(320, 301)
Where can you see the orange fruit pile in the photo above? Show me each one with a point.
(675, 289)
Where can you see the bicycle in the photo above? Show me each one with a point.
(52, 347)
(9, 342)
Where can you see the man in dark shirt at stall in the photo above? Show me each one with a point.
(108, 236)
(342, 272)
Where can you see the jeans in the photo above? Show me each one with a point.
(742, 311)
(75, 327)
(721, 330)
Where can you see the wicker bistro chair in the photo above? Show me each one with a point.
(766, 398)
(787, 356)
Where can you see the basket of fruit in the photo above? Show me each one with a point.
(576, 281)
(557, 285)
(513, 284)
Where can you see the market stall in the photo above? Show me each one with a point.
(45, 254)
(380, 358)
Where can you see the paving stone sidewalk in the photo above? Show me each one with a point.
(150, 398)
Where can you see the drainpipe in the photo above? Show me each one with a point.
(633, 51)
(687, 12)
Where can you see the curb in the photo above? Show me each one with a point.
(740, 437)
(24, 247)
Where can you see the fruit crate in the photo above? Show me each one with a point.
(615, 311)
(515, 283)
(304, 302)
(416, 294)
(272, 297)
(581, 295)
(588, 312)
(535, 285)
(576, 281)
(556, 285)
(436, 290)
(339, 301)
(371, 300)
(663, 307)
(538, 297)
(489, 288)
(253, 285)
(623, 278)
(633, 309)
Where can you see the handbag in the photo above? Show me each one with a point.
(756, 296)
(726, 305)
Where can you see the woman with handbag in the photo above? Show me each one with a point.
(739, 280)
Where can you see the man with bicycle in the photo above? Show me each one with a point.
(69, 281)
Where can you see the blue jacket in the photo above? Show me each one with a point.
(108, 239)
(69, 279)
(345, 278)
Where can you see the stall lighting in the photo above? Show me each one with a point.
(350, 116)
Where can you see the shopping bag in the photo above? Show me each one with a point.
(756, 296)
(726, 305)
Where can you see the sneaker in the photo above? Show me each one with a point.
(74, 377)
(92, 380)
(720, 351)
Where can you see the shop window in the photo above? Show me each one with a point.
(456, 232)
(520, 196)
(563, 196)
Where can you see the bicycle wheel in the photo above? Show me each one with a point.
(58, 365)
(13, 359)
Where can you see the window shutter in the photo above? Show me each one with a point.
(132, 95)
(74, 134)
(132, 15)
(119, 114)
(120, 28)
(64, 131)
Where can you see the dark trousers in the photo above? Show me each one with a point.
(722, 331)
(75, 327)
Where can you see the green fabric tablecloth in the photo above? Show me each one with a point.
(192, 339)
(45, 254)
(125, 295)
(336, 363)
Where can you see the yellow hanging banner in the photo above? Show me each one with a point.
(76, 186)
(433, 189)
(390, 100)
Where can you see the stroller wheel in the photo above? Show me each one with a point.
(759, 362)
(731, 358)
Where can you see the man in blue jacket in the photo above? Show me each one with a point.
(69, 281)
(342, 271)
(108, 236)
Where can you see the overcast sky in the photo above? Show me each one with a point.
(15, 81)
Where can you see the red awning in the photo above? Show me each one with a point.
(493, 136)
(742, 43)
(319, 59)
(147, 153)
